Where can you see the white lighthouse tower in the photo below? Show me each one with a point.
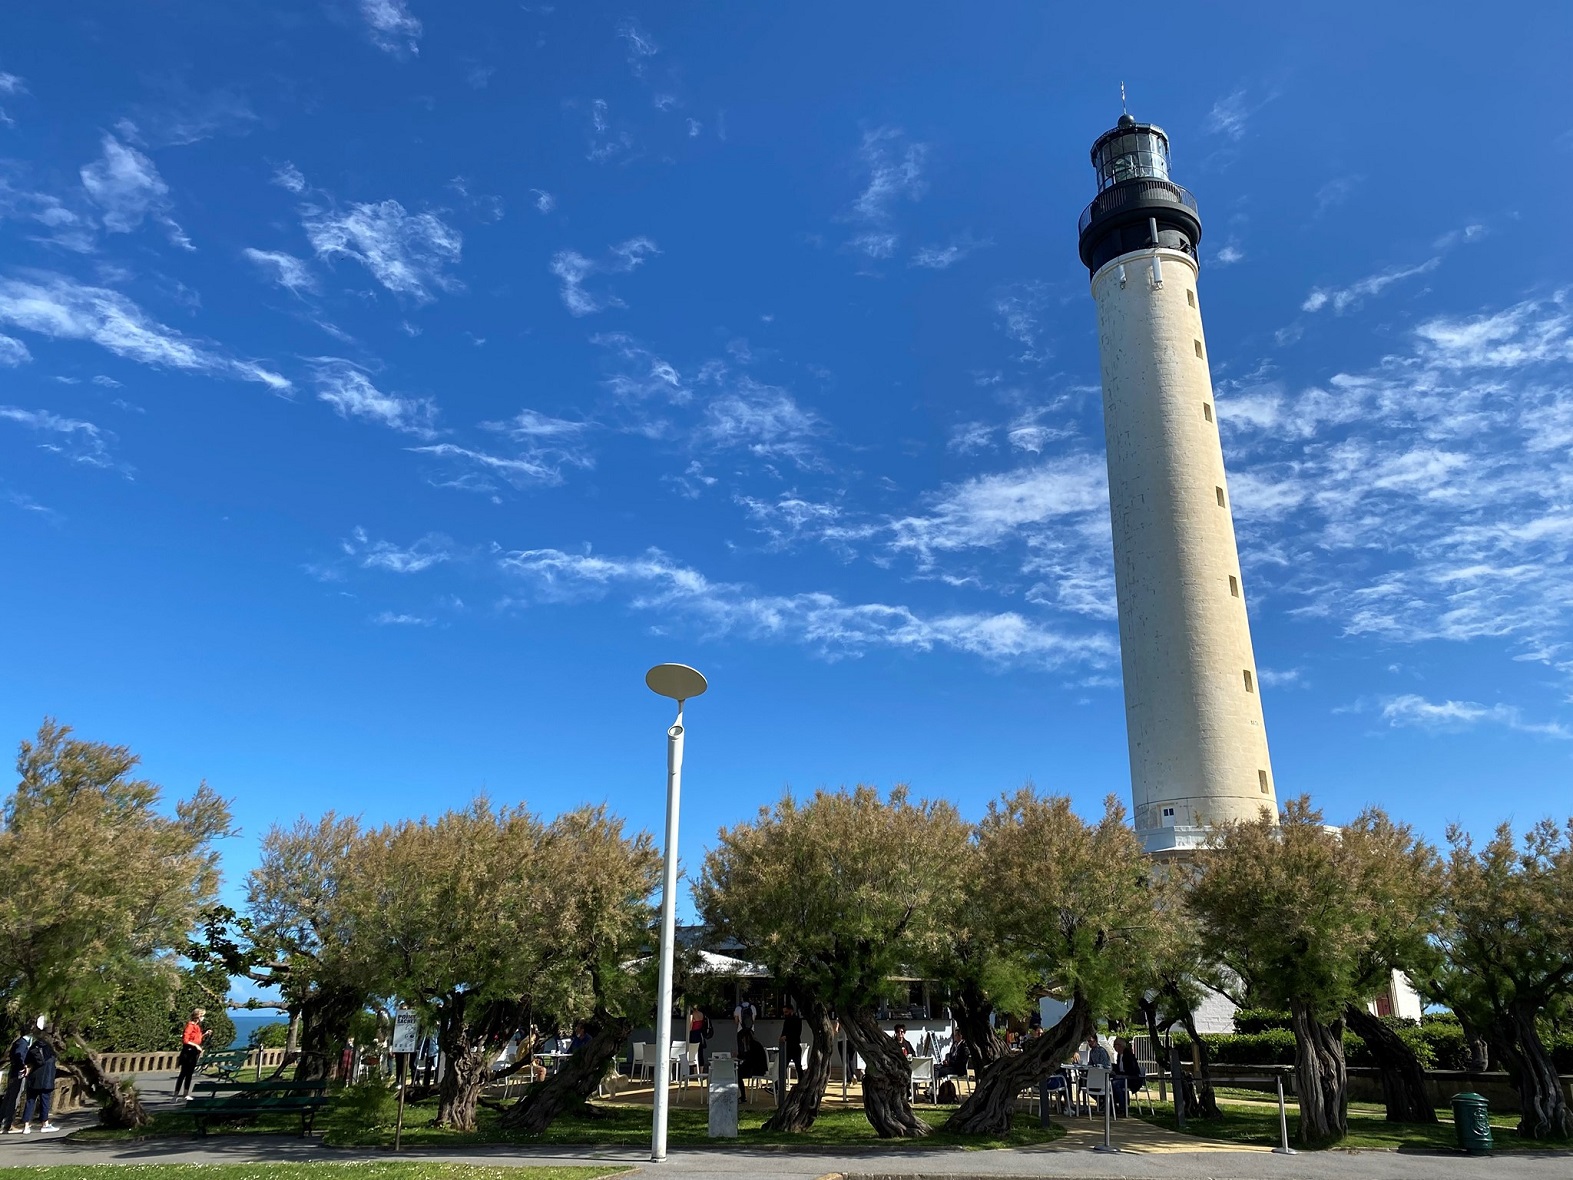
(1193, 708)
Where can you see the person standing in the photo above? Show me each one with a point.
(190, 1051)
(743, 1016)
(791, 1038)
(698, 1037)
(15, 1072)
(40, 1082)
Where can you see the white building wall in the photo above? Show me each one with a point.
(1192, 694)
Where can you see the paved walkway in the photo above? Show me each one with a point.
(1147, 1152)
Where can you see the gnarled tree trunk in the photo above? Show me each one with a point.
(1477, 1046)
(325, 1019)
(459, 1091)
(575, 1081)
(1403, 1081)
(972, 1011)
(1321, 1079)
(988, 1109)
(1542, 1106)
(122, 1108)
(801, 1107)
(887, 1079)
(1201, 1102)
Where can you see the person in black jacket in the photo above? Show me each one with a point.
(1128, 1075)
(40, 1082)
(15, 1072)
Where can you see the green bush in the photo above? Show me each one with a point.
(269, 1036)
(1256, 1020)
(370, 1103)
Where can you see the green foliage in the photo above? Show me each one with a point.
(1276, 1046)
(371, 1104)
(97, 876)
(1255, 1020)
(269, 1036)
(150, 1011)
(837, 893)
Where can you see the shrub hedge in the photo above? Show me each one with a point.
(1438, 1043)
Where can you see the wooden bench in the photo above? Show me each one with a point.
(272, 1096)
(226, 1064)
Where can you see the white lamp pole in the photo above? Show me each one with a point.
(679, 682)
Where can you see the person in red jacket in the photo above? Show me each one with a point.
(190, 1051)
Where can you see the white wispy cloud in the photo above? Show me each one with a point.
(391, 26)
(1427, 497)
(543, 447)
(432, 549)
(640, 375)
(73, 439)
(1228, 254)
(390, 618)
(408, 253)
(287, 176)
(1415, 711)
(544, 201)
(574, 270)
(346, 387)
(640, 45)
(1341, 299)
(286, 270)
(13, 352)
(518, 470)
(61, 308)
(945, 257)
(763, 419)
(11, 84)
(1018, 308)
(894, 165)
(126, 185)
(653, 582)
(1231, 114)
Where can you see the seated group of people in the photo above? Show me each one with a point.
(1126, 1069)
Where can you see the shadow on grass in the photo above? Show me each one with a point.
(352, 1124)
(1369, 1130)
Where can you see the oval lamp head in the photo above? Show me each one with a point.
(678, 681)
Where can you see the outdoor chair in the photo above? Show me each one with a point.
(642, 1060)
(679, 1067)
(1138, 1094)
(1058, 1088)
(923, 1075)
(1096, 1087)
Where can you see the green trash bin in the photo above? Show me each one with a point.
(1472, 1123)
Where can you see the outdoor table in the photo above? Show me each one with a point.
(553, 1059)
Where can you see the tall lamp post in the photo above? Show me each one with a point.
(680, 682)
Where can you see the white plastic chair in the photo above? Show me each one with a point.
(923, 1075)
(1097, 1086)
(642, 1059)
(677, 1065)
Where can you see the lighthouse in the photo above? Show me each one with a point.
(1193, 704)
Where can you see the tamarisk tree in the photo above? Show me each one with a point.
(1071, 902)
(96, 881)
(835, 895)
(1507, 935)
(1311, 918)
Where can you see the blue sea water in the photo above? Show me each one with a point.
(245, 1022)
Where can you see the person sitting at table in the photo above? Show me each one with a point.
(1093, 1053)
(955, 1063)
(580, 1038)
(1128, 1075)
(902, 1044)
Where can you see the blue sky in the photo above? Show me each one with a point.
(385, 385)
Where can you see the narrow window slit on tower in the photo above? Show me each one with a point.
(1207, 411)
(1198, 348)
(1249, 687)
(1234, 585)
(1190, 297)
(1261, 778)
(1220, 496)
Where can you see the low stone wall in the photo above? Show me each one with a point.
(70, 1096)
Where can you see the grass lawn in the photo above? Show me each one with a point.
(1368, 1128)
(347, 1123)
(401, 1170)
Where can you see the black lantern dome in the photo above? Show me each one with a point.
(1137, 206)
